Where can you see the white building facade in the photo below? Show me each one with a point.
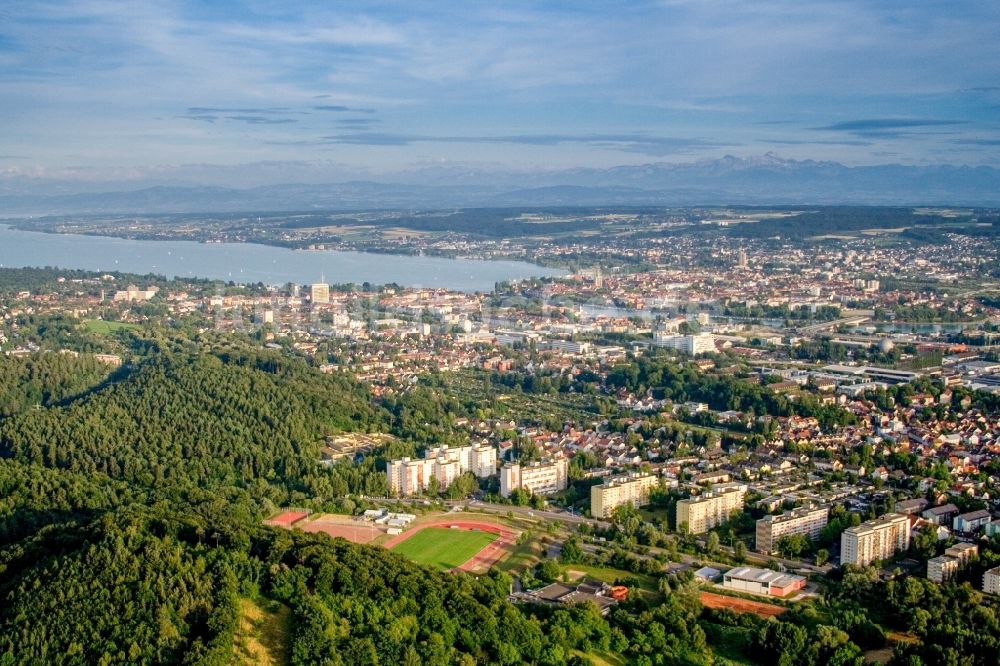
(875, 540)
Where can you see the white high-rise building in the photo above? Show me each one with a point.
(633, 489)
(803, 520)
(704, 512)
(480, 459)
(941, 568)
(537, 478)
(409, 477)
(702, 343)
(875, 540)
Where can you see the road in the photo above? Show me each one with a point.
(559, 516)
(752, 558)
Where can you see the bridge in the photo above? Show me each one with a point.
(832, 325)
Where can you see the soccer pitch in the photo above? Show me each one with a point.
(443, 547)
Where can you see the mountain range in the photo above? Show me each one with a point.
(764, 180)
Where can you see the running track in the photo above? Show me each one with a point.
(482, 560)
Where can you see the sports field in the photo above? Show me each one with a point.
(105, 327)
(443, 547)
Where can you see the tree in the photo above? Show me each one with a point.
(740, 551)
(571, 552)
(712, 543)
(548, 571)
(794, 545)
(520, 497)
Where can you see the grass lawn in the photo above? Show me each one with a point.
(600, 659)
(609, 575)
(730, 644)
(443, 547)
(525, 556)
(262, 635)
(105, 327)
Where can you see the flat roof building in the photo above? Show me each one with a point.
(963, 552)
(633, 490)
(537, 478)
(410, 477)
(706, 511)
(803, 520)
(991, 581)
(762, 581)
(319, 293)
(941, 568)
(875, 540)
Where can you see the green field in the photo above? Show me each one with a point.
(443, 547)
(105, 327)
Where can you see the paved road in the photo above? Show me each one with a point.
(560, 516)
(752, 558)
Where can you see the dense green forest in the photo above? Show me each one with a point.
(45, 380)
(196, 418)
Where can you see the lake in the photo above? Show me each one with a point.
(248, 262)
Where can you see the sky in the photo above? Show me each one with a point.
(116, 90)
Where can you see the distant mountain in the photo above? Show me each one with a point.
(765, 180)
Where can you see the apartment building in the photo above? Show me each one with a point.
(409, 477)
(963, 552)
(803, 520)
(319, 293)
(911, 505)
(481, 459)
(538, 478)
(692, 345)
(941, 568)
(991, 581)
(875, 540)
(972, 521)
(706, 511)
(633, 489)
(940, 515)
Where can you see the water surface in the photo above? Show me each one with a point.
(248, 262)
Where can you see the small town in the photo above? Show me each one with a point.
(847, 416)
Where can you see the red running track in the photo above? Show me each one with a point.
(482, 560)
(287, 518)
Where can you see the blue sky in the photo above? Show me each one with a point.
(110, 89)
